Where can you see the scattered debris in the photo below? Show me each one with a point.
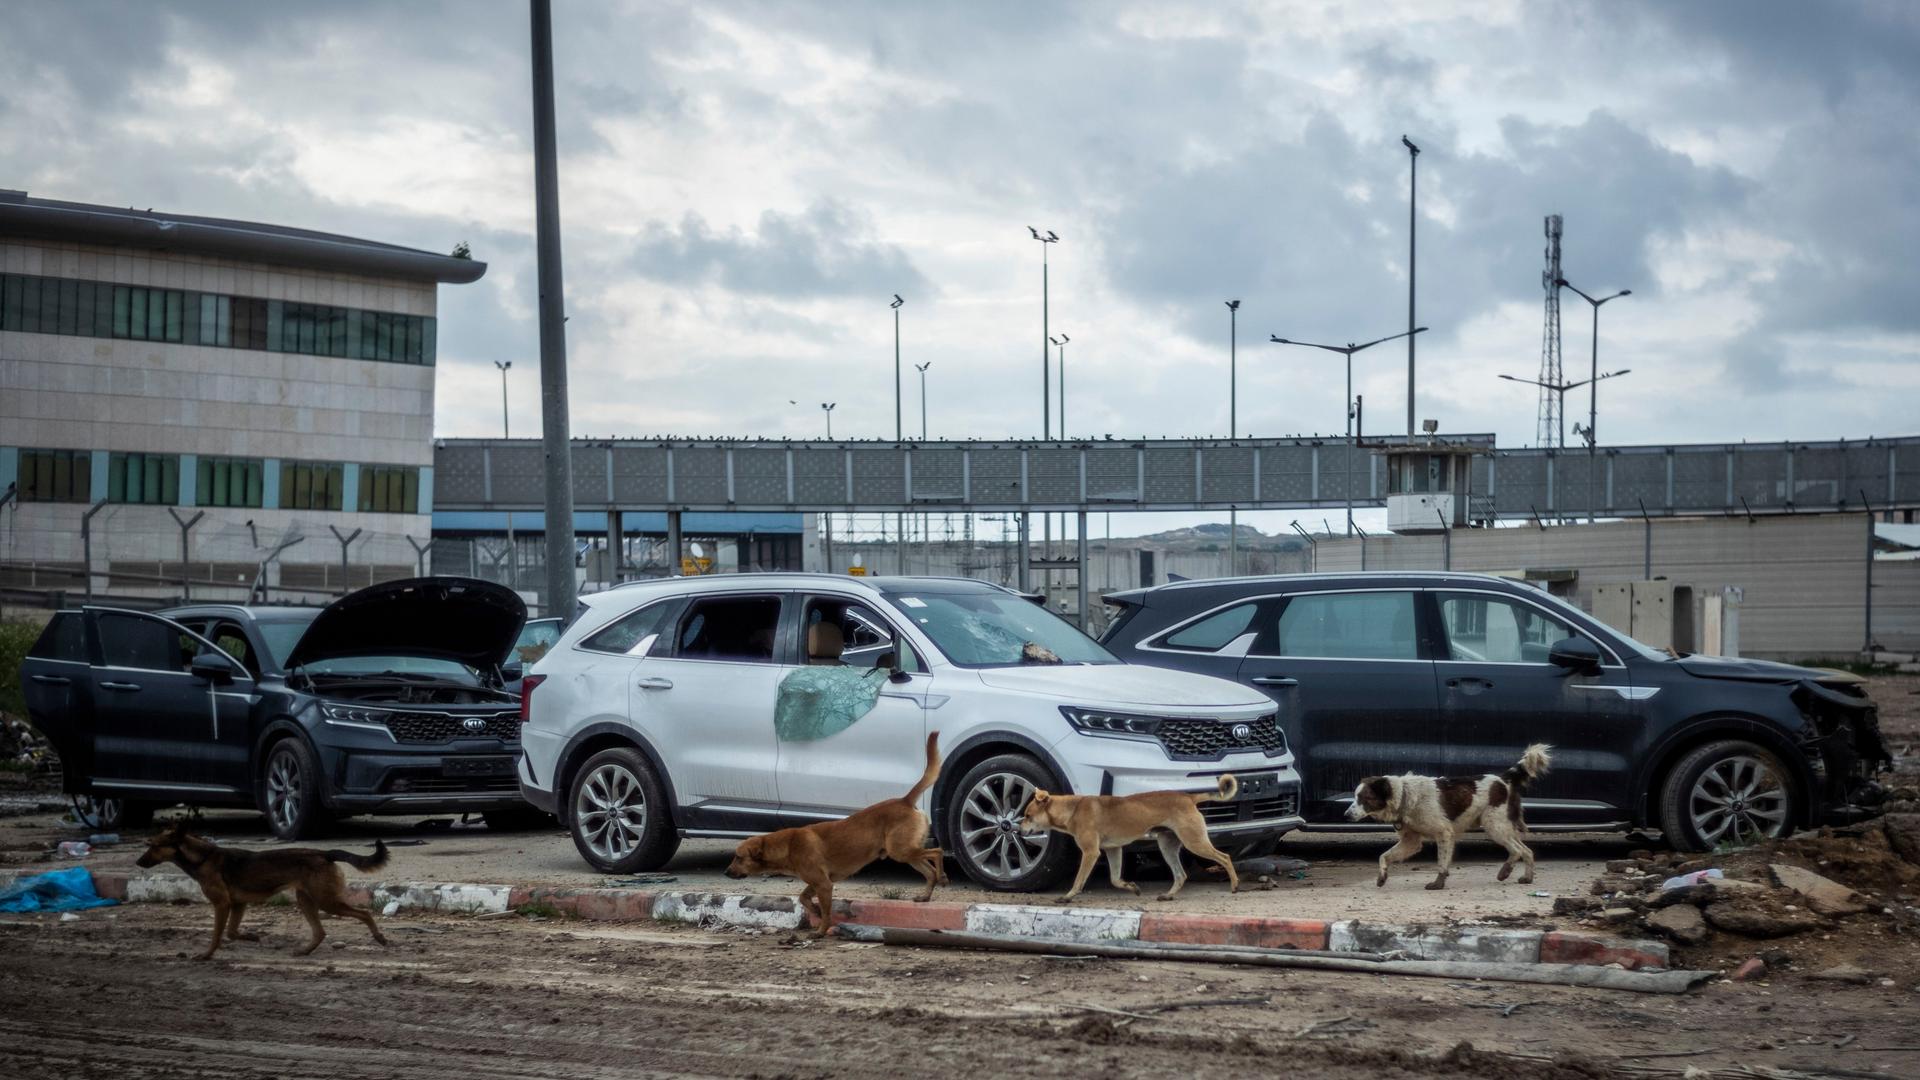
(1681, 922)
(1754, 968)
(1846, 973)
(1762, 918)
(1824, 895)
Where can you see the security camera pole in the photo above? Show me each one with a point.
(554, 434)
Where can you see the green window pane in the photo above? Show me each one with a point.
(103, 310)
(170, 480)
(223, 321)
(429, 346)
(410, 492)
(256, 483)
(30, 306)
(117, 478)
(286, 486)
(85, 301)
(217, 493)
(69, 318)
(122, 311)
(154, 480)
(12, 288)
(336, 487)
(176, 315)
(137, 314)
(276, 326)
(303, 488)
(156, 315)
(58, 472)
(203, 483)
(209, 320)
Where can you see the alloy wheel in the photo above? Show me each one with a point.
(990, 827)
(1738, 800)
(611, 810)
(284, 792)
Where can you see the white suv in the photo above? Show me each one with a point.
(652, 719)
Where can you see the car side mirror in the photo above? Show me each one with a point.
(1576, 655)
(890, 660)
(212, 667)
(512, 671)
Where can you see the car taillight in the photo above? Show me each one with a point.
(527, 685)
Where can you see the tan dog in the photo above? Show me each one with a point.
(835, 850)
(1443, 809)
(232, 879)
(1108, 823)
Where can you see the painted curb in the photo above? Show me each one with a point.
(773, 912)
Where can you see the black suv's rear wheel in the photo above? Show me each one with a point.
(617, 812)
(1727, 793)
(290, 791)
(982, 827)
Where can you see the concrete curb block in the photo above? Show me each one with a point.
(763, 912)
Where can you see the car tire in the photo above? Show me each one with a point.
(290, 791)
(111, 814)
(1730, 792)
(617, 813)
(518, 819)
(992, 795)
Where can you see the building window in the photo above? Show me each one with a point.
(143, 478)
(56, 476)
(390, 489)
(311, 485)
(230, 482)
(45, 305)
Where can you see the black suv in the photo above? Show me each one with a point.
(1450, 674)
(391, 700)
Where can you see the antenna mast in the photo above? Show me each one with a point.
(1552, 426)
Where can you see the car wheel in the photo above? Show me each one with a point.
(108, 814)
(290, 791)
(517, 819)
(617, 812)
(1727, 793)
(982, 830)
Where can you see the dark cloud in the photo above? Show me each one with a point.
(826, 250)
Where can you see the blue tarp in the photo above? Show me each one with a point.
(57, 890)
(815, 702)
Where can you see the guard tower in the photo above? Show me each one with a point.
(1429, 482)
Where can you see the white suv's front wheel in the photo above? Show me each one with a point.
(983, 827)
(617, 813)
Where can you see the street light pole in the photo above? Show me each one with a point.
(1348, 350)
(1593, 384)
(1046, 404)
(1233, 426)
(1061, 344)
(1413, 181)
(922, 369)
(554, 429)
(827, 407)
(899, 431)
(503, 365)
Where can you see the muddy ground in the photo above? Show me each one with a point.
(113, 993)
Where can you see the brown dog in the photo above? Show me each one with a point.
(232, 879)
(1108, 823)
(834, 850)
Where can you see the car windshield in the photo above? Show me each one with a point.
(996, 629)
(283, 631)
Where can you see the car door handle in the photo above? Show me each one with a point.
(1275, 680)
(654, 682)
(1471, 683)
(123, 686)
(52, 680)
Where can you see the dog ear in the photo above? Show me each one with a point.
(1041, 798)
(1381, 788)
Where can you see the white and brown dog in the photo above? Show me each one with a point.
(1444, 809)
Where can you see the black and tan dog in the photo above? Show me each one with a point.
(232, 879)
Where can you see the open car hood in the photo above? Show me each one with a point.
(439, 618)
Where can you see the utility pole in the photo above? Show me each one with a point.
(1593, 385)
(506, 432)
(1233, 426)
(555, 430)
(899, 432)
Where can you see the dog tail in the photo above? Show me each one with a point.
(1229, 787)
(362, 862)
(933, 768)
(1532, 765)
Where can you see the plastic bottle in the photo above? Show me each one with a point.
(100, 839)
(75, 849)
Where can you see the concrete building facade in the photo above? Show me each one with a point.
(154, 367)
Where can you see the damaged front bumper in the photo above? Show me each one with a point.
(1843, 738)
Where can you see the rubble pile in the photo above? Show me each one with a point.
(1862, 877)
(21, 745)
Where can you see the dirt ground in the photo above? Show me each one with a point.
(113, 993)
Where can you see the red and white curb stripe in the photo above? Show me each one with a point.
(764, 911)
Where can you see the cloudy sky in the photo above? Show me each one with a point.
(745, 185)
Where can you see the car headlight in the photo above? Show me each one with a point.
(354, 714)
(1113, 724)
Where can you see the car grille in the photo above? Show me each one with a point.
(1284, 805)
(1211, 740)
(446, 785)
(433, 727)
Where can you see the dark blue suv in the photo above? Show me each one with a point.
(1450, 674)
